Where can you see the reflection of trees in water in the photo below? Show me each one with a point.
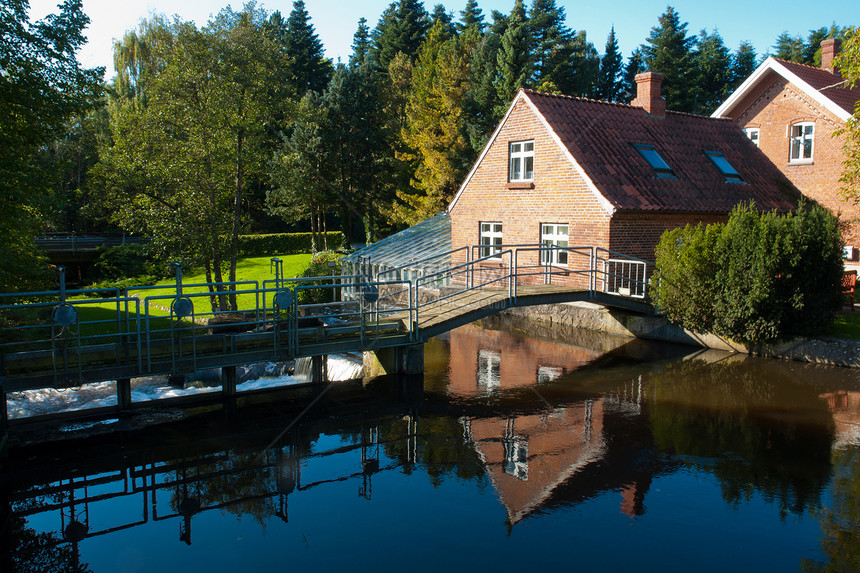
(753, 432)
(434, 443)
(840, 523)
(40, 552)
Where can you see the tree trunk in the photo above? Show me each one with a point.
(237, 211)
(213, 303)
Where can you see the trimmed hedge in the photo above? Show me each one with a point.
(284, 244)
(760, 278)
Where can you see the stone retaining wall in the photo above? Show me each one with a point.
(824, 350)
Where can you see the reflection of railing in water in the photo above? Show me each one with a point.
(185, 484)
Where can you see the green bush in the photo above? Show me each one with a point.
(319, 268)
(757, 279)
(283, 244)
(686, 268)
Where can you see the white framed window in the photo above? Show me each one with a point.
(522, 161)
(753, 134)
(490, 238)
(554, 235)
(489, 375)
(801, 137)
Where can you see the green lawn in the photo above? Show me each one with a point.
(847, 326)
(247, 269)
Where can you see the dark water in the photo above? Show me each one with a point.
(527, 449)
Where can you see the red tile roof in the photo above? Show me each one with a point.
(826, 83)
(600, 137)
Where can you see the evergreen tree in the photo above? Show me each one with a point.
(585, 64)
(471, 16)
(310, 69)
(298, 170)
(361, 46)
(514, 58)
(609, 86)
(789, 48)
(669, 52)
(441, 15)
(713, 72)
(743, 64)
(552, 48)
(436, 126)
(635, 65)
(482, 106)
(354, 113)
(401, 28)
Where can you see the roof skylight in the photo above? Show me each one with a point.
(732, 175)
(657, 163)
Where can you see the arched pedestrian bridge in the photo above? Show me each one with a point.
(69, 337)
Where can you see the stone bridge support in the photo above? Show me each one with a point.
(394, 360)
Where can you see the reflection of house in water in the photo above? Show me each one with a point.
(555, 451)
(528, 456)
(487, 361)
(845, 407)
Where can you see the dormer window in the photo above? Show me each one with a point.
(657, 163)
(731, 174)
(522, 161)
(802, 135)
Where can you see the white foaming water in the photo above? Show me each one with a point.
(102, 394)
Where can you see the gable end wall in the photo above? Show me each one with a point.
(560, 195)
(773, 107)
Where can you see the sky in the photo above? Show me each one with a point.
(756, 21)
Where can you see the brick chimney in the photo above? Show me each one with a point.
(648, 93)
(829, 50)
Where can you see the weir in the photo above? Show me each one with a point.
(66, 338)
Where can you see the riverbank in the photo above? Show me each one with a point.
(819, 350)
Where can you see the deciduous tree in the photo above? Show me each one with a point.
(42, 86)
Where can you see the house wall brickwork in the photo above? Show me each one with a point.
(559, 194)
(773, 107)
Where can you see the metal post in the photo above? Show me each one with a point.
(4, 436)
(123, 394)
(228, 381)
(178, 270)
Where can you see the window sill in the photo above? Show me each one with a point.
(801, 162)
(520, 185)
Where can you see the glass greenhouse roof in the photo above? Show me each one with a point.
(425, 240)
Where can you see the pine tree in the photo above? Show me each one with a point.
(514, 59)
(436, 127)
(471, 16)
(441, 15)
(789, 48)
(361, 45)
(743, 64)
(482, 107)
(611, 68)
(669, 52)
(552, 51)
(635, 65)
(401, 28)
(585, 63)
(310, 69)
(713, 72)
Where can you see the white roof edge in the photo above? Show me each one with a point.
(607, 206)
(773, 64)
(521, 95)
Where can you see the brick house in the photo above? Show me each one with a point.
(791, 111)
(575, 172)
